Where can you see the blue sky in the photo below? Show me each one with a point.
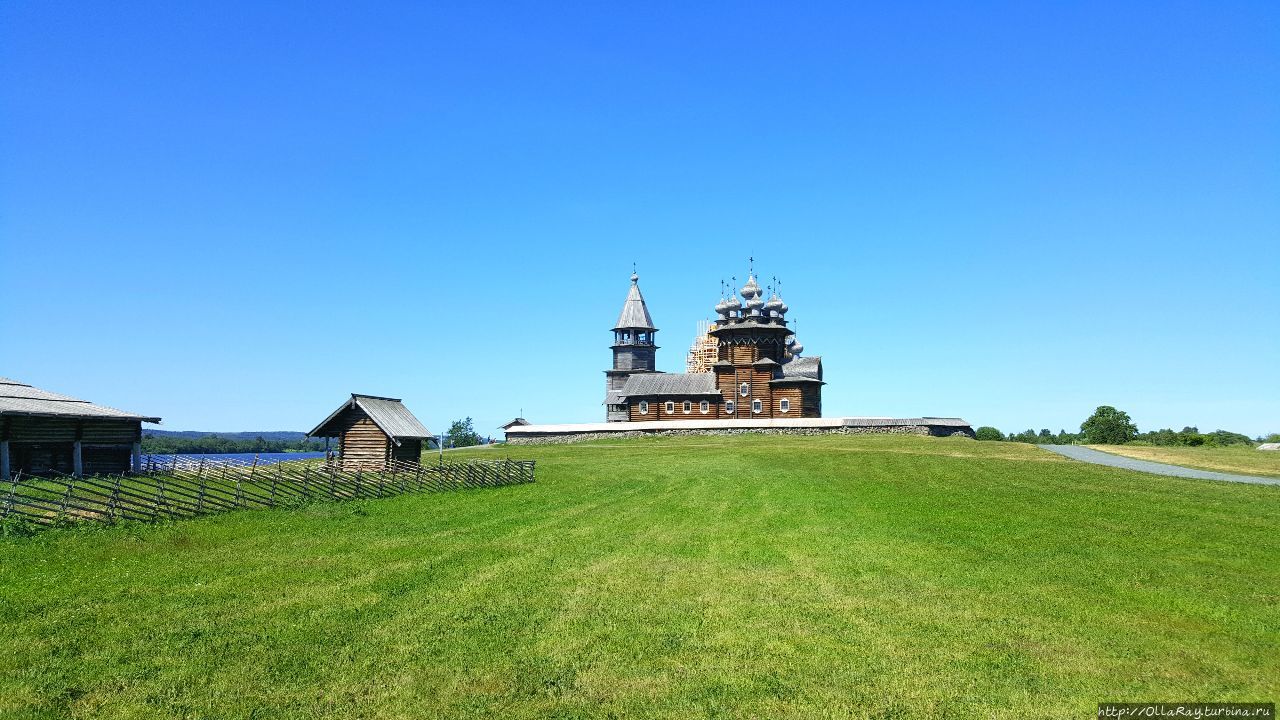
(232, 214)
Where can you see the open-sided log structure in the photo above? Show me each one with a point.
(373, 431)
(44, 433)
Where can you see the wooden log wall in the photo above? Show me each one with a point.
(102, 432)
(792, 395)
(360, 441)
(811, 399)
(408, 451)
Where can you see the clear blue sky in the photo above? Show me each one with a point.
(234, 214)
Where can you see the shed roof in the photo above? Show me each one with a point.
(803, 367)
(514, 423)
(670, 384)
(389, 414)
(18, 398)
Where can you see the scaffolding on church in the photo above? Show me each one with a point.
(703, 352)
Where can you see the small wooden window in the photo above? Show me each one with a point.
(729, 407)
(744, 389)
(784, 405)
(688, 407)
(644, 408)
(704, 407)
(671, 407)
(757, 406)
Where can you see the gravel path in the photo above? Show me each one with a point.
(1089, 455)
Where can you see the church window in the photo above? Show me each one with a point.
(704, 407)
(757, 406)
(744, 389)
(671, 407)
(688, 407)
(644, 408)
(729, 407)
(784, 405)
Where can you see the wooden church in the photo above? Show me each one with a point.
(758, 373)
(373, 431)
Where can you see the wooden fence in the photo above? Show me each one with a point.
(183, 486)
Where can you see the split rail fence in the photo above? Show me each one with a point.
(183, 486)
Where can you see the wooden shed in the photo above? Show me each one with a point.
(43, 433)
(373, 430)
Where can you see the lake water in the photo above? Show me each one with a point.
(263, 458)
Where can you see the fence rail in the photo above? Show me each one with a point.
(185, 486)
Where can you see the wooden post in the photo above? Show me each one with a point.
(77, 464)
(135, 463)
(4, 449)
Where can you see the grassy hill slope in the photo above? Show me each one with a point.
(739, 577)
(1243, 459)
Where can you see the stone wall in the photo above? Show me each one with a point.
(561, 439)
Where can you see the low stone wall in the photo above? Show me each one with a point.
(565, 438)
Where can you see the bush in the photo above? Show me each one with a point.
(986, 432)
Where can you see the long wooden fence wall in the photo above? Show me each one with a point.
(183, 486)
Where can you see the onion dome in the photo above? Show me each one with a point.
(773, 308)
(754, 304)
(733, 304)
(796, 348)
(751, 289)
(722, 307)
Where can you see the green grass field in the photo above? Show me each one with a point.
(693, 577)
(1245, 460)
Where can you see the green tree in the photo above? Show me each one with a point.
(462, 434)
(986, 432)
(1026, 436)
(1108, 426)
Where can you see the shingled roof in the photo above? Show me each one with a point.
(389, 414)
(635, 314)
(670, 384)
(809, 368)
(17, 398)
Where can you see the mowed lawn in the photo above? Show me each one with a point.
(1242, 459)
(690, 577)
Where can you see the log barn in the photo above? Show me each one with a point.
(44, 433)
(373, 430)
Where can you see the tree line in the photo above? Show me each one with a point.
(1109, 426)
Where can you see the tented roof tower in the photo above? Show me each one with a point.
(634, 349)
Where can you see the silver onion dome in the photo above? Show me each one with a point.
(722, 307)
(751, 290)
(734, 308)
(774, 306)
(796, 348)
